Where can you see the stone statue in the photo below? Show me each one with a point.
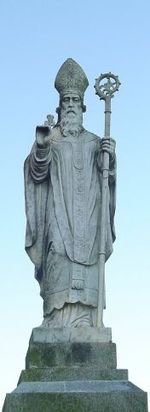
(63, 207)
(70, 204)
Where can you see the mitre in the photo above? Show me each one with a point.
(71, 78)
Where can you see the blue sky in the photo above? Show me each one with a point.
(36, 37)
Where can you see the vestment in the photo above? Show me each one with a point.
(63, 205)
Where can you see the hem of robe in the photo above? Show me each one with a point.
(57, 300)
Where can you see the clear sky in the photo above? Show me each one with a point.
(36, 37)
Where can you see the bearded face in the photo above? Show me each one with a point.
(71, 116)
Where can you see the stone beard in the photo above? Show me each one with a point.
(71, 122)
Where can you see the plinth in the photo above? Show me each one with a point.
(74, 370)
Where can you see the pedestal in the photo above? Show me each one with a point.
(66, 374)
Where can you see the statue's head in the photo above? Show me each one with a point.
(71, 83)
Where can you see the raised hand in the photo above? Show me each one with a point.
(43, 132)
(42, 136)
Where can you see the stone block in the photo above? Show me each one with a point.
(80, 334)
(68, 354)
(60, 373)
(76, 396)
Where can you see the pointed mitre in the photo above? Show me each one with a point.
(71, 78)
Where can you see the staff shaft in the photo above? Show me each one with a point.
(107, 116)
(104, 194)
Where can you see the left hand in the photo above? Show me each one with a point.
(108, 145)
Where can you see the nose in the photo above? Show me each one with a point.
(71, 102)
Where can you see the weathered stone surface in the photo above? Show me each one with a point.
(71, 367)
(64, 198)
(74, 377)
(58, 373)
(102, 355)
(80, 334)
(77, 396)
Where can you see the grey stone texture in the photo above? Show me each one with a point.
(63, 196)
(74, 377)
(71, 367)
(80, 334)
(69, 354)
(77, 396)
(61, 373)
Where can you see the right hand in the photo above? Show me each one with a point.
(43, 136)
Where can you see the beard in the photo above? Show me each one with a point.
(71, 123)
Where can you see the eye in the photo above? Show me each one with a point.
(76, 99)
(66, 99)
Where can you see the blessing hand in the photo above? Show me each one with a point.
(43, 132)
(43, 136)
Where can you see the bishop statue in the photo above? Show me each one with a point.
(63, 188)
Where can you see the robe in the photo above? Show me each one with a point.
(63, 208)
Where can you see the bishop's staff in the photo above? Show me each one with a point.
(105, 90)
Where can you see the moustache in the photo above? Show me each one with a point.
(71, 111)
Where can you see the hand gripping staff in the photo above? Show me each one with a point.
(105, 87)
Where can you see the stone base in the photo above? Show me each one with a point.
(76, 396)
(68, 354)
(80, 334)
(65, 374)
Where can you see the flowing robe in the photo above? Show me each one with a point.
(63, 207)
